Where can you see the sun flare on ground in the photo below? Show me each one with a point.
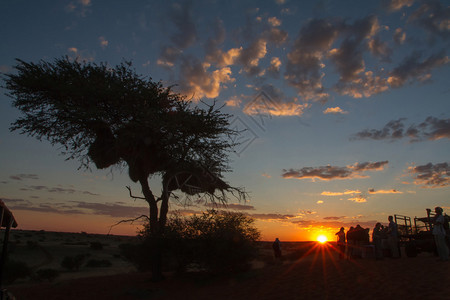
(322, 239)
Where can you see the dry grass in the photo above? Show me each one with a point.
(307, 272)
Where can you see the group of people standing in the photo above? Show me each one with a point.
(390, 234)
(349, 242)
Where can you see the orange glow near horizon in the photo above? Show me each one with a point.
(322, 239)
(32, 220)
(73, 223)
(289, 232)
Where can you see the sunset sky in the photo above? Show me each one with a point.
(345, 106)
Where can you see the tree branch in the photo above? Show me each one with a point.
(134, 197)
(128, 220)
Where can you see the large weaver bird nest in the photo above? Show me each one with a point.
(194, 181)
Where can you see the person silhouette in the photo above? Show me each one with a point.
(393, 237)
(376, 239)
(276, 246)
(439, 234)
(341, 242)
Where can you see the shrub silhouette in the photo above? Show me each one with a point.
(15, 270)
(96, 246)
(98, 263)
(46, 274)
(218, 242)
(73, 263)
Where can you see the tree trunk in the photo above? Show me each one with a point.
(155, 230)
(164, 208)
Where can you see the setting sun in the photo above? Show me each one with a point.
(322, 239)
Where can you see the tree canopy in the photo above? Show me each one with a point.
(111, 116)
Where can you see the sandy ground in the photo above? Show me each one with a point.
(319, 275)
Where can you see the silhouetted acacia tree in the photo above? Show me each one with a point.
(111, 116)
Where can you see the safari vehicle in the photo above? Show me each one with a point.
(6, 221)
(416, 238)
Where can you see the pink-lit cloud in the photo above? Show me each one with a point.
(358, 199)
(346, 192)
(334, 172)
(334, 111)
(430, 129)
(391, 191)
(431, 175)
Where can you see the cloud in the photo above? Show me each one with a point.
(266, 175)
(334, 172)
(271, 101)
(334, 111)
(214, 54)
(332, 223)
(79, 207)
(430, 129)
(434, 17)
(274, 21)
(333, 218)
(274, 68)
(181, 16)
(395, 5)
(431, 175)
(59, 190)
(304, 64)
(80, 55)
(234, 101)
(392, 191)
(5, 69)
(368, 166)
(103, 42)
(15, 201)
(168, 56)
(80, 7)
(380, 49)
(273, 217)
(198, 81)
(319, 202)
(358, 199)
(234, 206)
(399, 36)
(364, 85)
(346, 192)
(435, 129)
(258, 34)
(24, 176)
(20, 204)
(113, 209)
(281, 109)
(348, 58)
(413, 68)
(249, 57)
(322, 173)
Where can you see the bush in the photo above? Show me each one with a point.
(46, 274)
(73, 263)
(98, 263)
(96, 246)
(219, 242)
(15, 270)
(137, 254)
(32, 245)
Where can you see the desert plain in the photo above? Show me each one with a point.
(308, 270)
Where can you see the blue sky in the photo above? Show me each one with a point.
(345, 106)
